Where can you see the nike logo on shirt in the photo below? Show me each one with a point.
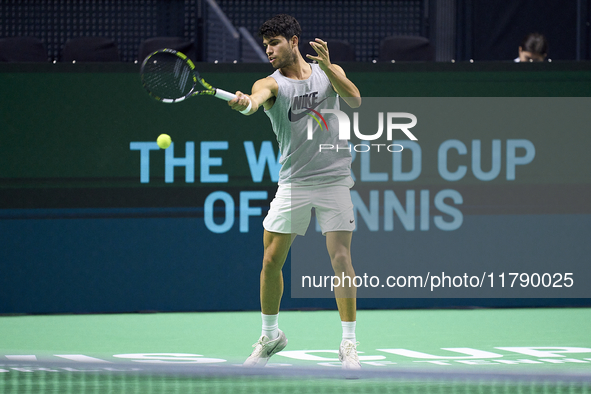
(295, 117)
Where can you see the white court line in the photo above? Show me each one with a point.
(81, 358)
(21, 357)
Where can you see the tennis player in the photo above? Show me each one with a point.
(309, 178)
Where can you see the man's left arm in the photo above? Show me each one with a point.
(341, 84)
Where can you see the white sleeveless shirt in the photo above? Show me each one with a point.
(302, 162)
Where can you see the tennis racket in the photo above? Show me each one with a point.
(170, 76)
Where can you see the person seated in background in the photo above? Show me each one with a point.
(533, 48)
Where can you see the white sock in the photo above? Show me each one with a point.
(349, 330)
(270, 326)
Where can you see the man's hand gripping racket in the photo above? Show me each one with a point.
(170, 76)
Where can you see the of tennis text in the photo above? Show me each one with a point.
(377, 209)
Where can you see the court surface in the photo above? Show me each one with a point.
(514, 341)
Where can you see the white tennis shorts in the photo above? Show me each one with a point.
(291, 209)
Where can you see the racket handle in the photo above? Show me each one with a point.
(222, 94)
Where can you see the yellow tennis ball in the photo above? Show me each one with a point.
(163, 141)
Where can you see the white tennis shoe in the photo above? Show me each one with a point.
(348, 355)
(264, 349)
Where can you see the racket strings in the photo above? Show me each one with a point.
(167, 76)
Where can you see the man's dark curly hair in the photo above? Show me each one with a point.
(535, 43)
(281, 25)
